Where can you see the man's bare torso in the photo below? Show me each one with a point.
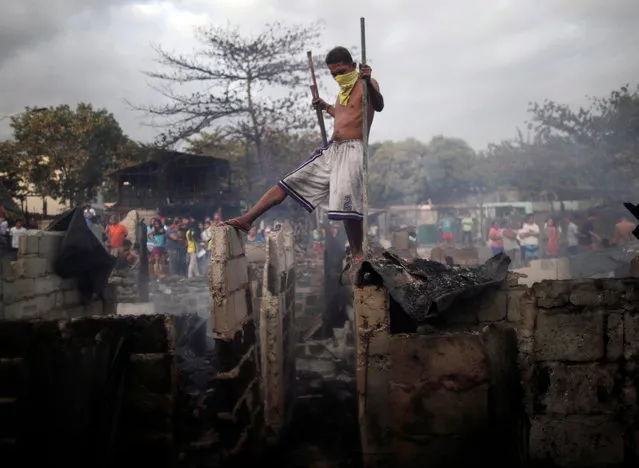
(348, 119)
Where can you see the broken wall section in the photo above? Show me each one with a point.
(579, 345)
(30, 289)
(277, 333)
(235, 401)
(309, 287)
(450, 397)
(65, 382)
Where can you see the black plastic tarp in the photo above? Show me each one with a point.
(81, 255)
(425, 289)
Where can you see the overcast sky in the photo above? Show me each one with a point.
(464, 68)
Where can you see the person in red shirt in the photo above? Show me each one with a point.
(496, 239)
(116, 233)
(552, 247)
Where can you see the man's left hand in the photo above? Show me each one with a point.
(365, 72)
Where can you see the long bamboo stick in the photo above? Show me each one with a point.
(315, 93)
(362, 22)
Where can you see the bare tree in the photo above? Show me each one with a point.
(249, 87)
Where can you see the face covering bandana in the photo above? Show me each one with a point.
(346, 84)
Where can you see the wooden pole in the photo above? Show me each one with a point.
(364, 143)
(320, 121)
(315, 93)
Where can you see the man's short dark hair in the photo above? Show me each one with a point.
(339, 55)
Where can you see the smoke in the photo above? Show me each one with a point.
(28, 23)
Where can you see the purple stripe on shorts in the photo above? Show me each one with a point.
(342, 215)
(295, 196)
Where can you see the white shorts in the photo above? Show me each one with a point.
(334, 172)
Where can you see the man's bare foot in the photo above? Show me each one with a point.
(238, 223)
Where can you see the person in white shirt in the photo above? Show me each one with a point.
(15, 232)
(89, 214)
(572, 236)
(529, 239)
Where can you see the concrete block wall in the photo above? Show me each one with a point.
(447, 397)
(277, 333)
(30, 289)
(579, 358)
(52, 377)
(236, 400)
(309, 287)
(577, 371)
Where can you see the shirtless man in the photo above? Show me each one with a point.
(334, 171)
(623, 231)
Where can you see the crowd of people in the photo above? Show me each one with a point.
(524, 239)
(528, 241)
(176, 247)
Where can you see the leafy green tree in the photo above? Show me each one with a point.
(66, 152)
(12, 171)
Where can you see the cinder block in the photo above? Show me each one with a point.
(514, 299)
(227, 242)
(589, 294)
(631, 335)
(578, 389)
(493, 306)
(230, 313)
(29, 243)
(564, 336)
(577, 441)
(223, 312)
(46, 285)
(240, 306)
(552, 293)
(614, 334)
(20, 289)
(236, 274)
(6, 268)
(50, 243)
(37, 307)
(220, 242)
(59, 299)
(30, 266)
(236, 242)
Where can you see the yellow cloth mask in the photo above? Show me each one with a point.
(346, 84)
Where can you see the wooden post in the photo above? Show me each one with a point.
(364, 143)
(315, 93)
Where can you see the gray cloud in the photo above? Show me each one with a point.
(462, 68)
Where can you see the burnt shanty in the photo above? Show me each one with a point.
(281, 290)
(174, 182)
